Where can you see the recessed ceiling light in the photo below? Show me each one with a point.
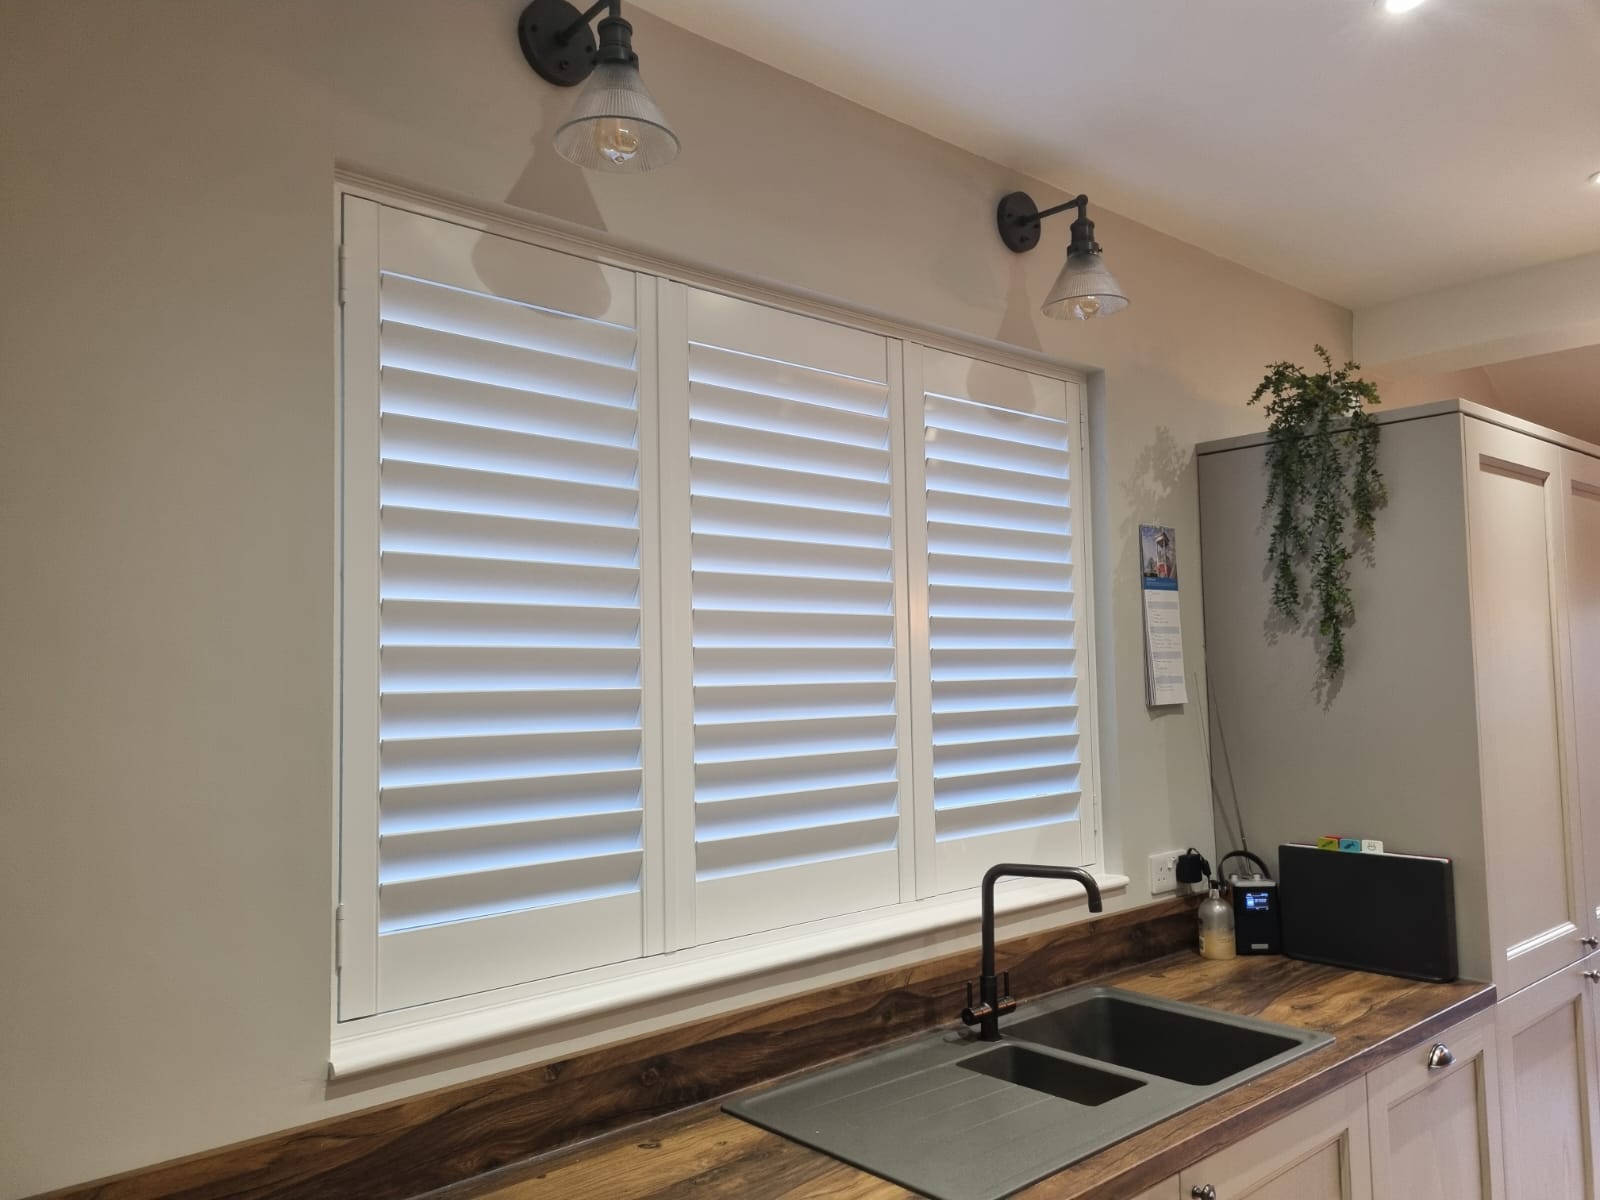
(1400, 6)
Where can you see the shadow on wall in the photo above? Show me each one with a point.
(1156, 473)
(550, 186)
(1154, 476)
(1017, 326)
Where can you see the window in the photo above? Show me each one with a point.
(671, 618)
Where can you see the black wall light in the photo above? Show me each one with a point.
(615, 124)
(1084, 289)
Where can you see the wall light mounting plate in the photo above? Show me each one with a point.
(1018, 218)
(565, 64)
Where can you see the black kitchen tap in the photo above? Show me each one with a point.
(991, 1004)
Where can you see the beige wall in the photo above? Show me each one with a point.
(1402, 389)
(1537, 310)
(1560, 390)
(167, 478)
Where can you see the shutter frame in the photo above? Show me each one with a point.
(510, 609)
(792, 564)
(726, 669)
(994, 548)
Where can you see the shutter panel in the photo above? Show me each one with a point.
(1004, 755)
(510, 763)
(796, 726)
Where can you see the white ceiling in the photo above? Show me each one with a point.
(1357, 155)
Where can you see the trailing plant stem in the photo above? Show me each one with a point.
(1322, 471)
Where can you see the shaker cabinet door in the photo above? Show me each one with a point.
(1548, 1097)
(1434, 1118)
(1319, 1152)
(1581, 494)
(1515, 518)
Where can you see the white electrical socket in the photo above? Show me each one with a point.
(1164, 872)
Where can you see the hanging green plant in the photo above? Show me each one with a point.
(1323, 489)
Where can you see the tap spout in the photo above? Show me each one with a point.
(986, 1015)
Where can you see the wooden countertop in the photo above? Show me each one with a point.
(707, 1154)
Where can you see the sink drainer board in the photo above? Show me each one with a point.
(954, 1118)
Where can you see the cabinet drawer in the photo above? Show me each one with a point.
(1434, 1120)
(1318, 1152)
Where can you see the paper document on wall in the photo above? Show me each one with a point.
(1163, 631)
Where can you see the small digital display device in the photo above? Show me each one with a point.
(1257, 922)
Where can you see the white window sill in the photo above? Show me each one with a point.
(358, 1053)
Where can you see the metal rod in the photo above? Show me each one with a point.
(565, 35)
(1078, 202)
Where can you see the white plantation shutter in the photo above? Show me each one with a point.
(509, 746)
(671, 617)
(998, 554)
(788, 576)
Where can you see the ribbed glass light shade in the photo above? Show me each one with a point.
(1084, 290)
(615, 125)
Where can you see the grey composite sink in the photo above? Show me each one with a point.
(1061, 1077)
(1190, 1046)
(955, 1118)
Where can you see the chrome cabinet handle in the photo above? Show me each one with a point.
(1440, 1057)
(1592, 976)
(1203, 1191)
(1589, 942)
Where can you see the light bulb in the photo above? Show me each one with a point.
(1083, 308)
(615, 140)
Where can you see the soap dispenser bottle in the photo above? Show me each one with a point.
(1216, 927)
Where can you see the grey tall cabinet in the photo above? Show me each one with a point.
(1467, 724)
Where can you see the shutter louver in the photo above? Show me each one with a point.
(796, 738)
(510, 763)
(1005, 756)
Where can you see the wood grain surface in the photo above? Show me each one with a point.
(705, 1153)
(431, 1141)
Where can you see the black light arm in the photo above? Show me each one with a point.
(1079, 202)
(593, 10)
(1018, 219)
(558, 43)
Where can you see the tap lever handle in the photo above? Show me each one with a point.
(972, 1014)
(1006, 1001)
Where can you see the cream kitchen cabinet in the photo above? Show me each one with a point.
(1317, 1152)
(1581, 498)
(1548, 1086)
(1516, 517)
(1465, 722)
(1435, 1128)
(1423, 1126)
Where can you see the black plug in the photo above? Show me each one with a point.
(1192, 866)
